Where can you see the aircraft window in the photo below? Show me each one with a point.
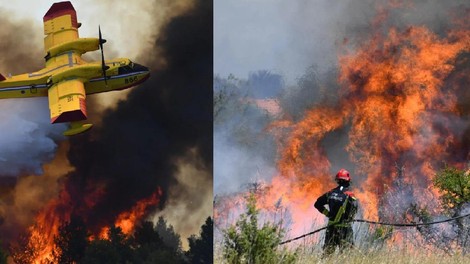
(124, 69)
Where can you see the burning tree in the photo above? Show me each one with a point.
(116, 249)
(400, 96)
(398, 102)
(111, 174)
(71, 242)
(149, 243)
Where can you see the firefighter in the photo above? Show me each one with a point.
(340, 206)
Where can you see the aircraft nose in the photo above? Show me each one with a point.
(138, 68)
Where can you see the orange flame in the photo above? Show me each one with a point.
(41, 244)
(396, 106)
(393, 88)
(127, 220)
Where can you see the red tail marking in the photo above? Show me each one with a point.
(60, 9)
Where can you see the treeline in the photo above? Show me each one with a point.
(150, 243)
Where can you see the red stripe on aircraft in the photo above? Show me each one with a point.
(60, 9)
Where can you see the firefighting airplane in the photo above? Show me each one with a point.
(67, 78)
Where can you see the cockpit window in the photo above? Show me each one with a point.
(124, 69)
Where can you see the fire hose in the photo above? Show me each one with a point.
(378, 223)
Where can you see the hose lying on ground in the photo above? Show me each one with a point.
(378, 223)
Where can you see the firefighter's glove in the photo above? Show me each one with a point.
(325, 212)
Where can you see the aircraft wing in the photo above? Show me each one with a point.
(67, 101)
(60, 25)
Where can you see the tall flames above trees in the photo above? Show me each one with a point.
(127, 169)
(401, 105)
(398, 104)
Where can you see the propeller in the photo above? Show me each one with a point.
(104, 67)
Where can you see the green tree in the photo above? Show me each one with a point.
(247, 242)
(454, 185)
(71, 241)
(115, 250)
(151, 248)
(168, 234)
(101, 251)
(145, 234)
(201, 248)
(227, 95)
(3, 256)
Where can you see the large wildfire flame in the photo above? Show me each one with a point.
(110, 175)
(398, 106)
(40, 245)
(41, 235)
(399, 110)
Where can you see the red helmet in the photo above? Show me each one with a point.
(343, 175)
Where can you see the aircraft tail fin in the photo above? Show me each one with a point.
(2, 77)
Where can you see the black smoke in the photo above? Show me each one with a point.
(135, 149)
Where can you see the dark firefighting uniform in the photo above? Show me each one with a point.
(342, 207)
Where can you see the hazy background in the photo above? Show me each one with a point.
(287, 51)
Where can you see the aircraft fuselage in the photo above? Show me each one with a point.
(122, 74)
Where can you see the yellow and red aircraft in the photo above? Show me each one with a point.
(67, 78)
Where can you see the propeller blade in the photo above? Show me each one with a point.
(103, 64)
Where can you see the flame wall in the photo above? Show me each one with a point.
(396, 97)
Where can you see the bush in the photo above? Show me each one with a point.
(246, 242)
(454, 185)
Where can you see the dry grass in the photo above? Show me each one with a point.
(383, 256)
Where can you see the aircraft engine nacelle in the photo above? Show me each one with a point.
(81, 45)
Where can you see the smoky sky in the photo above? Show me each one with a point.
(243, 151)
(300, 41)
(288, 37)
(135, 149)
(27, 139)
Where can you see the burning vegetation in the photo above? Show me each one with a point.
(397, 112)
(98, 196)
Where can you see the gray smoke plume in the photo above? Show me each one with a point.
(243, 151)
(290, 36)
(27, 139)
